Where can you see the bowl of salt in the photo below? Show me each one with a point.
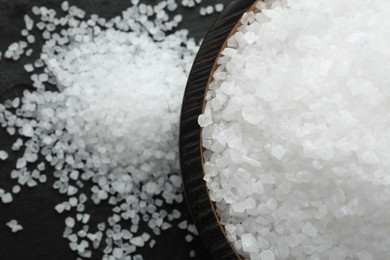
(285, 131)
(202, 208)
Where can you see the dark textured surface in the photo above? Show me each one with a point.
(198, 200)
(41, 238)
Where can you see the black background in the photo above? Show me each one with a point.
(41, 237)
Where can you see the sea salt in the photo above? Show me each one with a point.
(295, 131)
(111, 126)
(3, 155)
(6, 198)
(14, 225)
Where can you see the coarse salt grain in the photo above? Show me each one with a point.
(14, 225)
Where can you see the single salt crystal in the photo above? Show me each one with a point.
(74, 175)
(309, 229)
(189, 238)
(3, 155)
(29, 67)
(72, 190)
(205, 120)
(6, 198)
(267, 255)
(183, 224)
(14, 225)
(176, 180)
(59, 208)
(251, 161)
(137, 257)
(117, 253)
(21, 163)
(137, 241)
(250, 37)
(219, 7)
(27, 130)
(249, 243)
(70, 222)
(278, 152)
(16, 189)
(192, 254)
(73, 201)
(29, 22)
(65, 6)
(31, 39)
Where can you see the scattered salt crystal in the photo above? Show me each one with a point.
(29, 22)
(15, 189)
(65, 6)
(219, 7)
(189, 238)
(59, 208)
(14, 225)
(29, 67)
(3, 155)
(6, 198)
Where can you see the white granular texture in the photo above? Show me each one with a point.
(296, 131)
(112, 125)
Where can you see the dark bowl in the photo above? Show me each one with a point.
(203, 210)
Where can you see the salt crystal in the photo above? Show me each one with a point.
(309, 230)
(29, 22)
(69, 222)
(278, 152)
(249, 243)
(137, 241)
(7, 198)
(267, 255)
(14, 225)
(189, 238)
(3, 155)
(59, 208)
(219, 7)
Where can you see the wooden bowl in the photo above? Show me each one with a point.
(202, 209)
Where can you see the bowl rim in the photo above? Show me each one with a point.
(202, 209)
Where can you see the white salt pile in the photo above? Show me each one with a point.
(112, 124)
(296, 131)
